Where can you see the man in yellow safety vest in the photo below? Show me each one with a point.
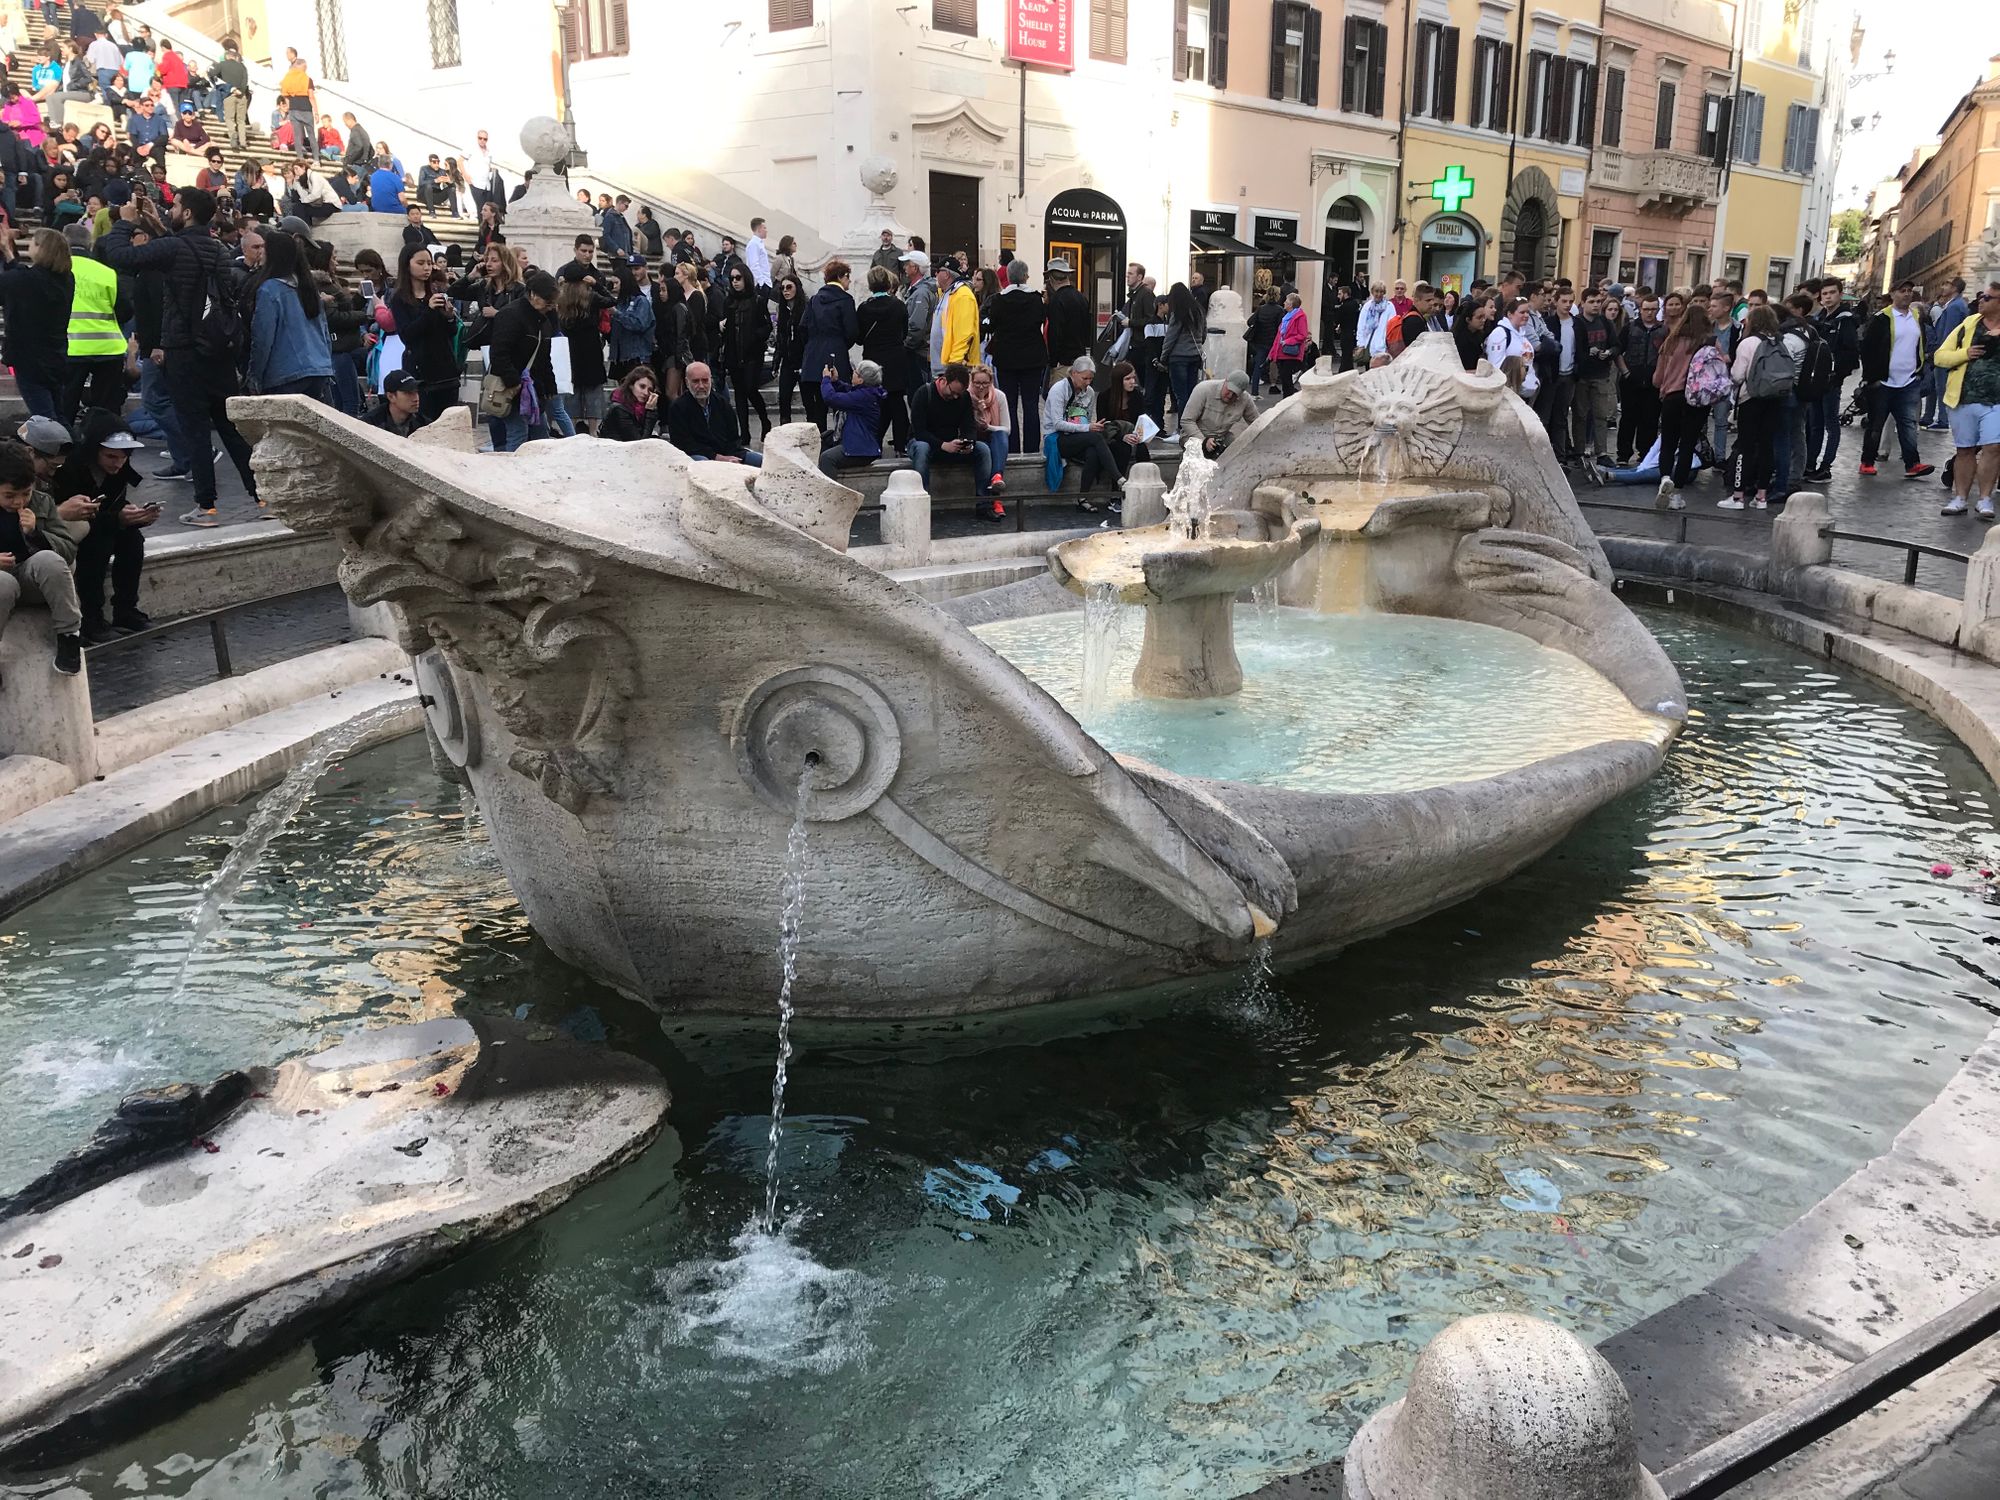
(98, 349)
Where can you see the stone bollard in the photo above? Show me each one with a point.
(906, 520)
(1979, 620)
(1145, 497)
(1503, 1407)
(42, 712)
(1795, 538)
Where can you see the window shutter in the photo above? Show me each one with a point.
(1555, 98)
(960, 16)
(1482, 76)
(1790, 159)
(1180, 41)
(1447, 100)
(572, 28)
(783, 15)
(1586, 111)
(1378, 64)
(1811, 142)
(1218, 43)
(618, 37)
(1352, 94)
(1663, 118)
(1309, 62)
(1503, 86)
(1725, 127)
(1278, 9)
(1614, 107)
(1420, 67)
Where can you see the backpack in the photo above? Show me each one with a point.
(1708, 377)
(1772, 372)
(1816, 366)
(217, 321)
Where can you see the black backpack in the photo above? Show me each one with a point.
(217, 322)
(1817, 366)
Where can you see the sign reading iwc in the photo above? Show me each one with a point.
(1038, 32)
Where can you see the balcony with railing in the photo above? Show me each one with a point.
(1677, 182)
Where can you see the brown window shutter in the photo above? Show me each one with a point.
(789, 15)
(1418, 56)
(572, 32)
(1614, 107)
(618, 37)
(1279, 8)
(1309, 63)
(1351, 96)
(1586, 113)
(960, 16)
(1503, 87)
(1447, 89)
(1218, 43)
(1180, 41)
(1378, 64)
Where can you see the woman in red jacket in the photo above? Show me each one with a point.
(1288, 349)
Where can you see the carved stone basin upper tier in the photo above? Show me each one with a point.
(646, 668)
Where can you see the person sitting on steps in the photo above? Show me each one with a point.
(36, 550)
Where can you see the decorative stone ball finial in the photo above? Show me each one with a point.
(878, 175)
(546, 141)
(1503, 1407)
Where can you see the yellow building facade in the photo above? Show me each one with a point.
(1951, 193)
(1762, 228)
(1502, 112)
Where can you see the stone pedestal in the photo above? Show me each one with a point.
(544, 223)
(355, 229)
(1979, 620)
(1190, 649)
(906, 520)
(1145, 497)
(42, 712)
(1795, 538)
(1224, 351)
(858, 246)
(1503, 1407)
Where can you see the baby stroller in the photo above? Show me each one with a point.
(1857, 406)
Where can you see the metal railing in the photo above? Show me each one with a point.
(216, 620)
(1680, 517)
(1911, 550)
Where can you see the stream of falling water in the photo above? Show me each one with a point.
(790, 916)
(1266, 596)
(279, 806)
(1103, 621)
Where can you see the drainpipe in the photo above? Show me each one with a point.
(1514, 115)
(1721, 252)
(1403, 142)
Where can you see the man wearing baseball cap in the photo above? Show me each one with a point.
(397, 412)
(920, 304)
(47, 442)
(100, 468)
(35, 553)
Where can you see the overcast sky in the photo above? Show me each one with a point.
(1931, 73)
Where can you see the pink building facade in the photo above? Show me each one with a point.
(1649, 206)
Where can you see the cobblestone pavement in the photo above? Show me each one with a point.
(157, 666)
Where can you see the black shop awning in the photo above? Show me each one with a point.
(1294, 250)
(1221, 244)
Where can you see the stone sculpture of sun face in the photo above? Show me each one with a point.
(1401, 419)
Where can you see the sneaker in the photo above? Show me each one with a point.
(1729, 502)
(69, 654)
(1668, 493)
(993, 512)
(1760, 503)
(998, 482)
(130, 619)
(1089, 505)
(200, 517)
(1984, 509)
(1919, 470)
(1674, 502)
(1820, 476)
(1115, 508)
(1868, 469)
(174, 474)
(1952, 507)
(96, 632)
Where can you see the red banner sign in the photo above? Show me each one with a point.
(1039, 32)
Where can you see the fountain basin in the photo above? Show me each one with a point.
(635, 661)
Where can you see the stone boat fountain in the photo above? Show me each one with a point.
(645, 667)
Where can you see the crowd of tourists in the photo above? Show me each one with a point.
(1633, 384)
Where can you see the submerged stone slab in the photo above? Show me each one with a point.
(341, 1172)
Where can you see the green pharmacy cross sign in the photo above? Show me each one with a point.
(1452, 189)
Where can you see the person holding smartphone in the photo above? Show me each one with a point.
(1971, 353)
(100, 468)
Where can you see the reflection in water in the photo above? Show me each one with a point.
(1167, 1248)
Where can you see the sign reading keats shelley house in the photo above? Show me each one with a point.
(1038, 32)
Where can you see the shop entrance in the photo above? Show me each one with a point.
(1347, 249)
(1450, 258)
(1087, 229)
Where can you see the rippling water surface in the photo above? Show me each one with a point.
(1105, 1250)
